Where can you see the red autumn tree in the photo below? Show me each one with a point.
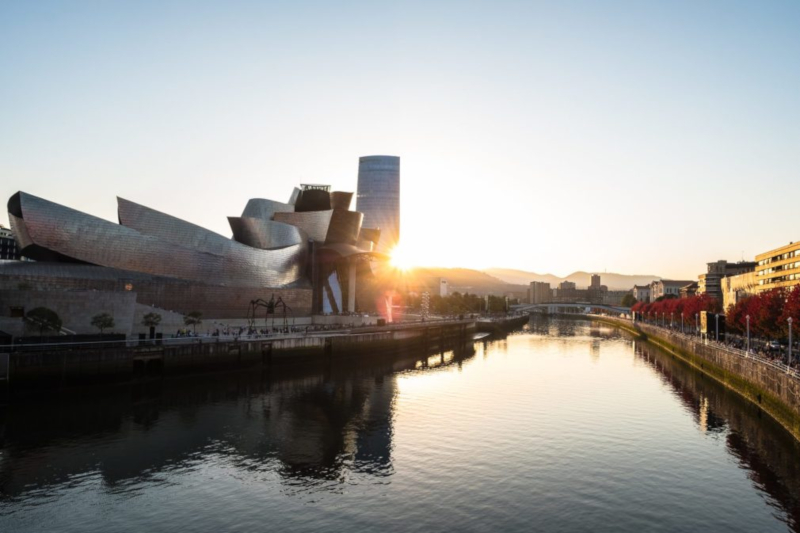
(791, 309)
(735, 316)
(768, 313)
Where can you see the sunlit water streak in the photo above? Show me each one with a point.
(566, 426)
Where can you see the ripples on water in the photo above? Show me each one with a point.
(566, 426)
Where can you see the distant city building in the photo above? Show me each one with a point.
(443, 287)
(667, 287)
(613, 297)
(641, 293)
(709, 283)
(378, 197)
(596, 293)
(736, 288)
(778, 268)
(567, 292)
(539, 292)
(8, 245)
(687, 291)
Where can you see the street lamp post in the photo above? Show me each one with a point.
(696, 324)
(716, 327)
(789, 362)
(747, 318)
(670, 319)
(681, 322)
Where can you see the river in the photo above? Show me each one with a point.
(563, 426)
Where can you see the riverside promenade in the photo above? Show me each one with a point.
(771, 384)
(62, 366)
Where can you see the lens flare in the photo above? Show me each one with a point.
(400, 258)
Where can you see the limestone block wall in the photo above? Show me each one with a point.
(75, 308)
(170, 323)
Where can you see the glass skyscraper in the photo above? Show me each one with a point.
(378, 197)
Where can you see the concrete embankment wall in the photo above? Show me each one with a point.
(63, 368)
(774, 390)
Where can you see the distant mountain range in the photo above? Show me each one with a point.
(468, 280)
(510, 281)
(614, 282)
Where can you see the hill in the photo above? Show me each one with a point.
(615, 282)
(468, 280)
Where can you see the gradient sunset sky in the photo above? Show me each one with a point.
(635, 137)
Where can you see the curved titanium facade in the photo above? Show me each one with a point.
(379, 197)
(176, 265)
(173, 230)
(295, 195)
(332, 226)
(368, 239)
(313, 223)
(345, 227)
(265, 234)
(262, 208)
(85, 238)
(341, 200)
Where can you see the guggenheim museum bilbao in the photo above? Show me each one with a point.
(312, 251)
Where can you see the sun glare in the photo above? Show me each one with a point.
(400, 258)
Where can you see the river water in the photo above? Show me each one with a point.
(563, 426)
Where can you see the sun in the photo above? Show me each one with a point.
(400, 258)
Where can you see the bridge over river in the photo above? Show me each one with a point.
(570, 308)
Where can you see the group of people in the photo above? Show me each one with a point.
(770, 351)
(253, 331)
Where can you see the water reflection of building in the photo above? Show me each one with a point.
(326, 426)
(317, 423)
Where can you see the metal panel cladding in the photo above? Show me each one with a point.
(82, 237)
(345, 227)
(314, 223)
(263, 208)
(378, 197)
(265, 234)
(341, 200)
(331, 226)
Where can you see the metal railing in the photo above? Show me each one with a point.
(717, 345)
(300, 332)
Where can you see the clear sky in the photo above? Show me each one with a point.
(635, 137)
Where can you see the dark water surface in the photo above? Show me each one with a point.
(567, 426)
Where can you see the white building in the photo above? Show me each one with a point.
(667, 287)
(641, 293)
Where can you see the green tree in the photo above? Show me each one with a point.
(629, 300)
(193, 319)
(45, 319)
(151, 320)
(103, 321)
